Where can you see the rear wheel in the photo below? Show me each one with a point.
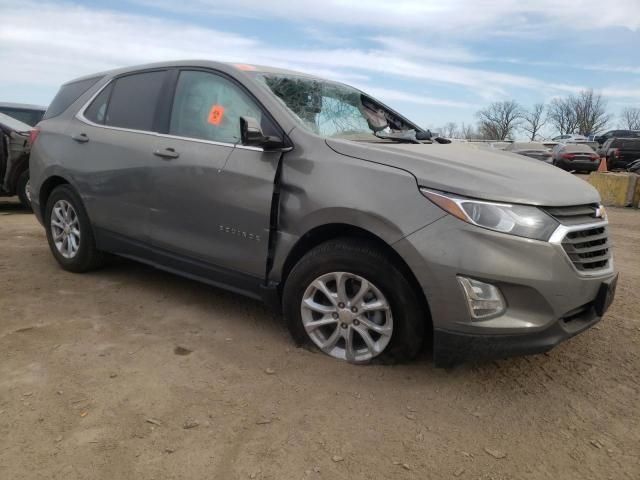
(23, 189)
(69, 231)
(349, 300)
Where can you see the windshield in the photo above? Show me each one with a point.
(335, 110)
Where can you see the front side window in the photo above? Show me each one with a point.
(207, 106)
(133, 101)
(334, 110)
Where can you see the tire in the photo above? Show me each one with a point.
(22, 190)
(85, 257)
(354, 260)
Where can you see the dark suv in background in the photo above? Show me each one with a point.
(368, 233)
(620, 152)
(616, 134)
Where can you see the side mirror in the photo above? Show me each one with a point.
(251, 135)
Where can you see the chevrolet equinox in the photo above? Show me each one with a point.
(367, 232)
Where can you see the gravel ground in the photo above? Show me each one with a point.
(131, 373)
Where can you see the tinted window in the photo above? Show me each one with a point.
(30, 117)
(96, 112)
(133, 101)
(68, 94)
(630, 144)
(579, 148)
(209, 107)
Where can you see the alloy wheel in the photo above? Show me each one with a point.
(347, 316)
(65, 229)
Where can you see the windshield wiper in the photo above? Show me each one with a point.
(400, 137)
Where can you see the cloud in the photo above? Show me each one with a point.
(64, 40)
(456, 17)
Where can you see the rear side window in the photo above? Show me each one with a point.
(68, 94)
(630, 144)
(97, 111)
(133, 101)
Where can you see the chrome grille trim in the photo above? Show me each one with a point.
(586, 247)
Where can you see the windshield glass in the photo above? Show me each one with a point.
(335, 110)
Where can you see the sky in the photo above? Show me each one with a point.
(434, 61)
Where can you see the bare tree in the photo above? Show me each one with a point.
(562, 115)
(631, 118)
(590, 111)
(467, 132)
(499, 119)
(449, 130)
(584, 113)
(534, 120)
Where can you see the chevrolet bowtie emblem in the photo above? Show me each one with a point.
(600, 212)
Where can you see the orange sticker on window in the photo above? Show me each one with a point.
(215, 115)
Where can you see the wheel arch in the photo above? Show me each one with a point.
(46, 188)
(333, 231)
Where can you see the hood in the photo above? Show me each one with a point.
(477, 172)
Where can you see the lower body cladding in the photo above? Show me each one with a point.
(545, 300)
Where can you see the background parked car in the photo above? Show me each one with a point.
(530, 149)
(616, 134)
(620, 152)
(29, 114)
(14, 159)
(575, 156)
(569, 138)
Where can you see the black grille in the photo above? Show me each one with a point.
(574, 215)
(588, 249)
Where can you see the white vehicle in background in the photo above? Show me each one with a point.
(570, 138)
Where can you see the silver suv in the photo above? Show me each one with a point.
(371, 235)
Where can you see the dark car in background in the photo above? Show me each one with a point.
(575, 156)
(29, 114)
(616, 134)
(620, 152)
(14, 159)
(530, 149)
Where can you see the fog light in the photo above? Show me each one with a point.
(484, 299)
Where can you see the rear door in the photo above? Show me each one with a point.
(212, 195)
(115, 141)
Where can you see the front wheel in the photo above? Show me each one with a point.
(349, 300)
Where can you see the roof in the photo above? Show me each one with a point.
(225, 66)
(23, 106)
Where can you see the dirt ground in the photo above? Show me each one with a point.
(131, 373)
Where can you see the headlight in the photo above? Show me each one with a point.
(522, 220)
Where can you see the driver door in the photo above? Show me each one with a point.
(211, 195)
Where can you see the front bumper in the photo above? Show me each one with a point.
(548, 300)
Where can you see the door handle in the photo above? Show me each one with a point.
(81, 138)
(167, 153)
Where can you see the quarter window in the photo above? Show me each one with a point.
(97, 111)
(68, 94)
(208, 107)
(133, 101)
